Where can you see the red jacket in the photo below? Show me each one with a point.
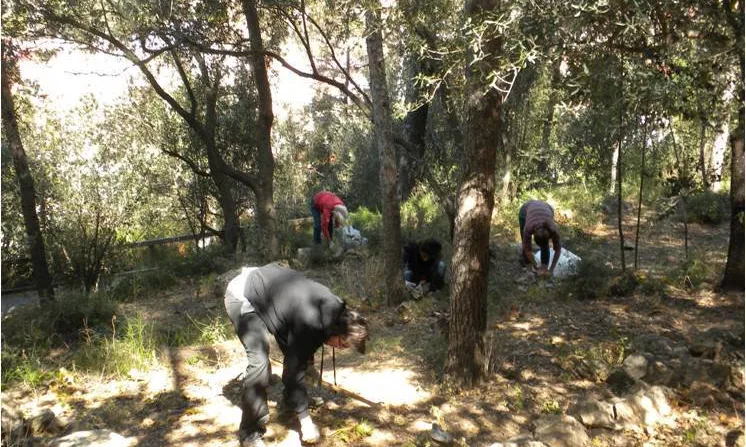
(325, 201)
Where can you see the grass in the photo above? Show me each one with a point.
(353, 431)
(551, 407)
(135, 348)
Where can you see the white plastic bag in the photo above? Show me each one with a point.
(352, 238)
(567, 265)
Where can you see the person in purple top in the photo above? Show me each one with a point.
(536, 219)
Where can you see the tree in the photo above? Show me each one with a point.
(148, 36)
(41, 275)
(387, 155)
(467, 350)
(265, 159)
(733, 277)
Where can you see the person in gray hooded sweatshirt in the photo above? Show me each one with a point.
(302, 315)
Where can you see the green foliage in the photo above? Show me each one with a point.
(551, 407)
(199, 262)
(135, 286)
(354, 432)
(708, 207)
(190, 331)
(624, 284)
(691, 273)
(651, 286)
(20, 365)
(593, 280)
(369, 223)
(422, 217)
(517, 401)
(214, 330)
(133, 347)
(71, 313)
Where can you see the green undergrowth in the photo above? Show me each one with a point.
(95, 335)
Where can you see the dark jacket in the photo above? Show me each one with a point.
(300, 313)
(422, 270)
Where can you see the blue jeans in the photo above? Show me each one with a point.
(316, 224)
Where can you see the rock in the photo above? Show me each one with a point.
(702, 394)
(13, 426)
(620, 381)
(46, 423)
(636, 365)
(93, 438)
(642, 409)
(561, 431)
(331, 405)
(594, 413)
(661, 373)
(519, 443)
(441, 437)
(654, 344)
(703, 370)
(708, 349)
(734, 438)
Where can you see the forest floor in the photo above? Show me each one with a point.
(541, 345)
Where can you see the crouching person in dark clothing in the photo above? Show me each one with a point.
(302, 315)
(423, 266)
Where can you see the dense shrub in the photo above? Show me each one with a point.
(369, 223)
(593, 280)
(707, 207)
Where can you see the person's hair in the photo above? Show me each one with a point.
(431, 248)
(541, 236)
(353, 328)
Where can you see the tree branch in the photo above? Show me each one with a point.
(192, 165)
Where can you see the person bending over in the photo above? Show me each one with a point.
(536, 219)
(422, 264)
(302, 315)
(329, 211)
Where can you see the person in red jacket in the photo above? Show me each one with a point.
(329, 211)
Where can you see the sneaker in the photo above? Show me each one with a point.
(309, 432)
(253, 443)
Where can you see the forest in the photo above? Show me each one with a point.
(125, 218)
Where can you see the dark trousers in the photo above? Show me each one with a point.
(317, 224)
(253, 335)
(522, 224)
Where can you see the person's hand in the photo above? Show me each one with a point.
(544, 272)
(335, 341)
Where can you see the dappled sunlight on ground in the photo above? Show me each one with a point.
(386, 386)
(546, 351)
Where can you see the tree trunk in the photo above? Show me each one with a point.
(466, 364)
(620, 201)
(702, 163)
(547, 125)
(717, 157)
(266, 213)
(392, 245)
(215, 162)
(42, 278)
(415, 125)
(733, 278)
(614, 170)
(639, 196)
